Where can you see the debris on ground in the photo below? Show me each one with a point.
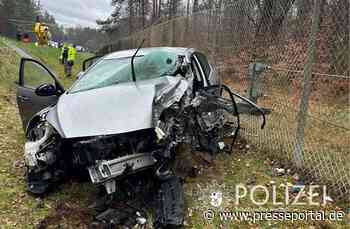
(280, 171)
(296, 177)
(328, 199)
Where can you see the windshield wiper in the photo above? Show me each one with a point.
(132, 61)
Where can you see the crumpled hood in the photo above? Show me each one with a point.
(111, 110)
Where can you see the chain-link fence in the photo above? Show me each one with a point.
(306, 43)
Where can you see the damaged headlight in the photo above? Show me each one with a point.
(34, 150)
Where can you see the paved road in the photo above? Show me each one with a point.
(19, 51)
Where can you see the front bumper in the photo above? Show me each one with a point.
(105, 170)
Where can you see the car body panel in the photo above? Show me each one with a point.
(28, 102)
(119, 109)
(104, 111)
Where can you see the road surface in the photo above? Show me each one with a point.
(19, 51)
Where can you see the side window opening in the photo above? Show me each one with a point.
(198, 82)
(35, 75)
(204, 63)
(196, 72)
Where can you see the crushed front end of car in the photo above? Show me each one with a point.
(181, 113)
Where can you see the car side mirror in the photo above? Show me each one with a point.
(46, 90)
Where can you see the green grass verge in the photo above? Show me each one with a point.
(50, 57)
(17, 208)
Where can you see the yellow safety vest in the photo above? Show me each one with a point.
(37, 27)
(72, 53)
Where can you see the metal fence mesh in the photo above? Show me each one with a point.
(247, 31)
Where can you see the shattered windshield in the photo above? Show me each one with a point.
(114, 71)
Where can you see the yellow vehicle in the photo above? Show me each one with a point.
(42, 33)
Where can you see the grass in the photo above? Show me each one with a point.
(17, 208)
(12, 193)
(50, 57)
(20, 210)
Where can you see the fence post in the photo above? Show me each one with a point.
(255, 87)
(304, 103)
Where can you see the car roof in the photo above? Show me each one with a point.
(144, 51)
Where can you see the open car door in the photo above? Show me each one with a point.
(34, 76)
(89, 62)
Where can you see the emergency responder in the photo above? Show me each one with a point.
(64, 54)
(37, 30)
(46, 35)
(72, 53)
(42, 32)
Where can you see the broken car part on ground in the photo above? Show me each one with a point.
(121, 124)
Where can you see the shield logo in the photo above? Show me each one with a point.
(216, 199)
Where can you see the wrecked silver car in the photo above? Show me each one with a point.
(126, 114)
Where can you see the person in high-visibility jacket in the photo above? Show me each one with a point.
(64, 54)
(72, 53)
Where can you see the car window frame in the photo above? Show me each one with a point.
(69, 91)
(21, 81)
(91, 58)
(207, 77)
(199, 66)
(195, 70)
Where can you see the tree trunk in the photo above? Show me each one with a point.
(272, 16)
(159, 8)
(131, 16)
(188, 8)
(195, 6)
(154, 10)
(143, 13)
